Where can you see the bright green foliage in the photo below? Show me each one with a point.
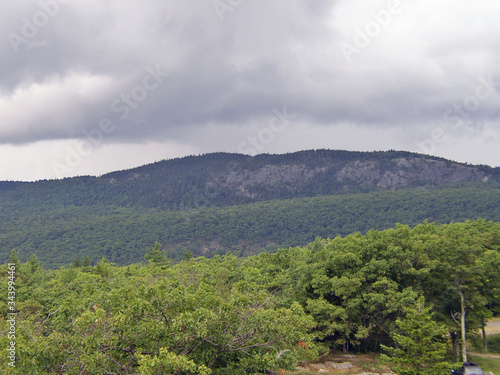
(464, 276)
(167, 362)
(200, 317)
(356, 287)
(230, 315)
(421, 344)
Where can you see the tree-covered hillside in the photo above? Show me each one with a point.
(223, 179)
(123, 234)
(397, 291)
(222, 202)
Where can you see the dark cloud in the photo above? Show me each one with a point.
(229, 67)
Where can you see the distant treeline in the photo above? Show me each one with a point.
(58, 234)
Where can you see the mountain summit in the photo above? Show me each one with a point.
(215, 203)
(222, 179)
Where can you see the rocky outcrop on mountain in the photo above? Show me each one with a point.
(224, 179)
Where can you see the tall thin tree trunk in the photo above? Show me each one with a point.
(462, 324)
(485, 340)
(454, 340)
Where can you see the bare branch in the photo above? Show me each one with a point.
(249, 346)
(30, 335)
(50, 314)
(114, 361)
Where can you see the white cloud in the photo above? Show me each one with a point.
(45, 159)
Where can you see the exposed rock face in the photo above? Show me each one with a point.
(371, 174)
(223, 179)
(340, 366)
(268, 175)
(360, 172)
(403, 172)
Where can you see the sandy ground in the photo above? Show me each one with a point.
(493, 327)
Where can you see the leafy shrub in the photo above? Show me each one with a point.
(494, 343)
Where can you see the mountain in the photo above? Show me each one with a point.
(223, 202)
(223, 179)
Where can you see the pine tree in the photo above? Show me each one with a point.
(14, 258)
(421, 345)
(156, 256)
(33, 264)
(77, 263)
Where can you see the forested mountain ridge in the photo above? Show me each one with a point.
(223, 179)
(219, 203)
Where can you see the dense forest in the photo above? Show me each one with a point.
(224, 179)
(123, 234)
(219, 203)
(396, 291)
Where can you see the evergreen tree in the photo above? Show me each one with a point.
(156, 256)
(14, 258)
(77, 263)
(103, 268)
(420, 344)
(33, 264)
(188, 255)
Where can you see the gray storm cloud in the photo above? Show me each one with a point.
(170, 69)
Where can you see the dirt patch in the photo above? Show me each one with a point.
(493, 327)
(495, 356)
(346, 364)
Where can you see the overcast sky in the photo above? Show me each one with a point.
(92, 86)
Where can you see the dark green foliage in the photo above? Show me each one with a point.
(77, 263)
(356, 287)
(220, 203)
(223, 179)
(123, 235)
(156, 256)
(494, 343)
(86, 262)
(33, 264)
(188, 255)
(14, 257)
(421, 344)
